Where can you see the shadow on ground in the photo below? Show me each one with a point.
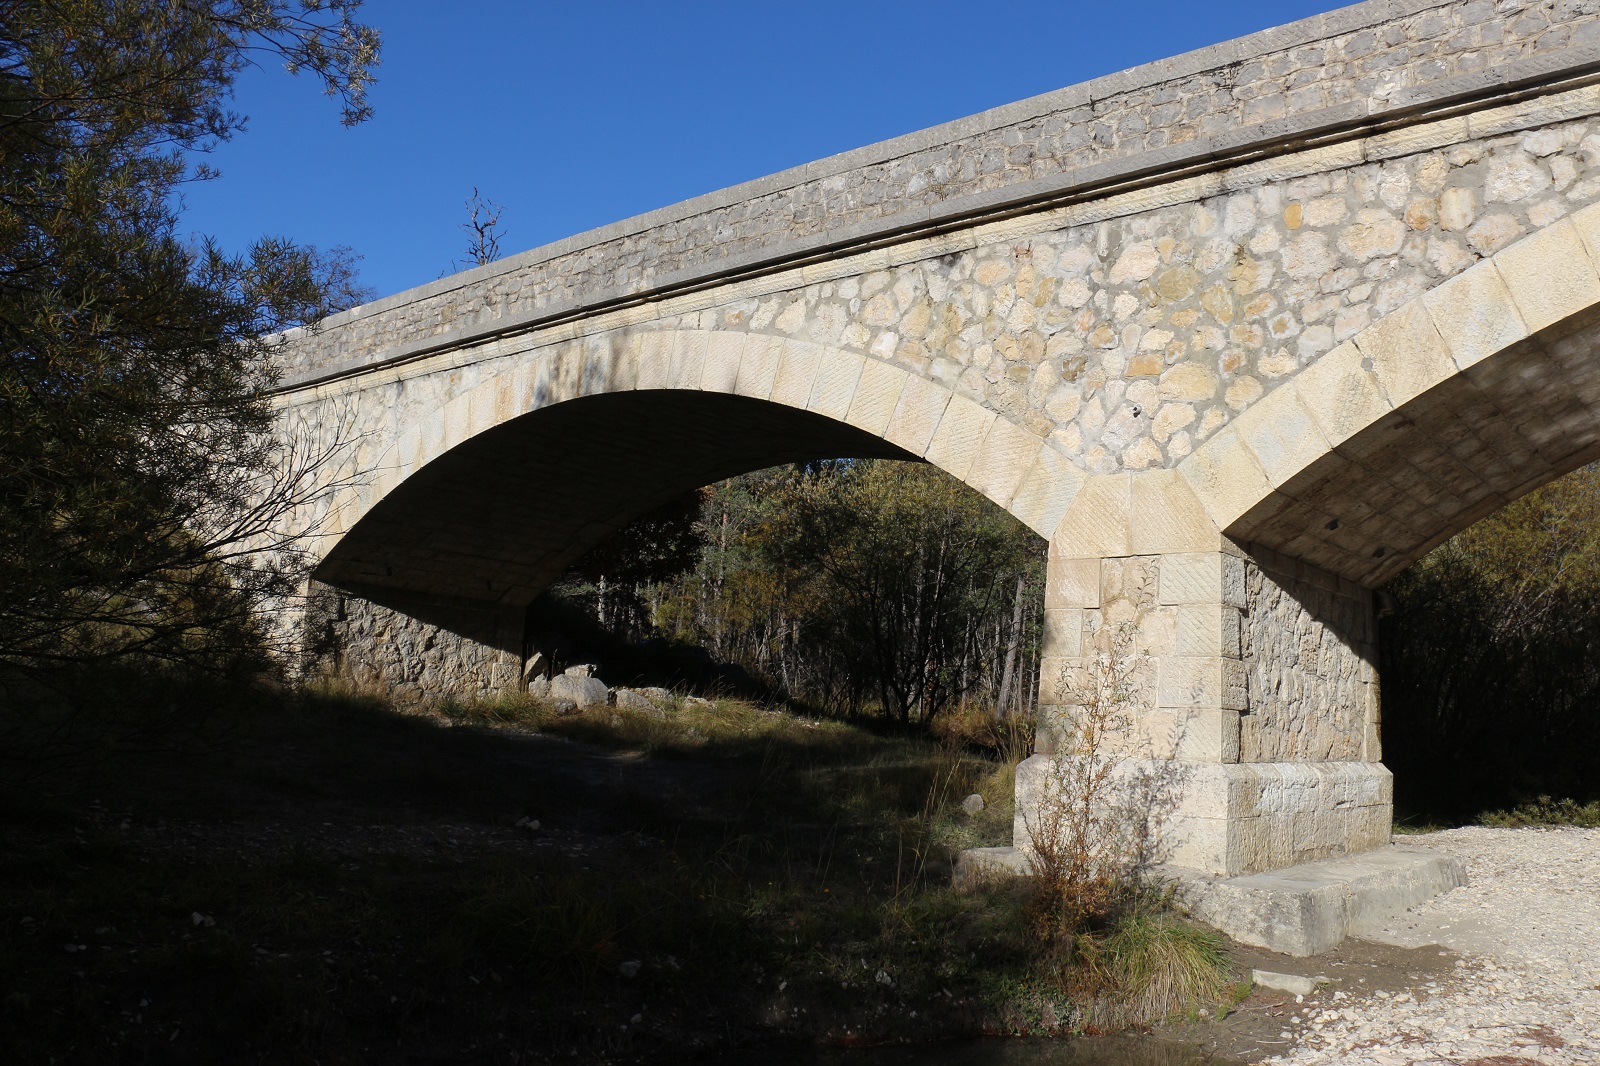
(334, 882)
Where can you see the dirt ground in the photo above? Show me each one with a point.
(373, 827)
(1257, 1027)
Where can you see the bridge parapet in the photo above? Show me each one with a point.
(1375, 66)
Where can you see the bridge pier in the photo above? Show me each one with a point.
(1248, 703)
(412, 647)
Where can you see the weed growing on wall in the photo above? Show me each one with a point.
(1111, 942)
(1085, 846)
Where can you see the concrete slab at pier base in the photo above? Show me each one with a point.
(1310, 908)
(1231, 819)
(1298, 910)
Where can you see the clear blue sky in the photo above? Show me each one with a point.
(573, 115)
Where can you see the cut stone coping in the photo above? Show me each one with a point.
(1299, 910)
(750, 229)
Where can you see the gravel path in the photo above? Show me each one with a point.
(1527, 986)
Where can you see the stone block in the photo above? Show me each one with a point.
(614, 364)
(519, 380)
(1586, 221)
(1208, 629)
(876, 394)
(917, 415)
(1007, 454)
(1227, 819)
(1282, 434)
(453, 427)
(1190, 735)
(655, 359)
(686, 365)
(507, 396)
(1055, 671)
(758, 367)
(724, 352)
(1063, 633)
(558, 376)
(975, 867)
(1189, 681)
(1166, 516)
(1047, 491)
(955, 443)
(1406, 352)
(1312, 907)
(797, 372)
(1097, 522)
(1475, 314)
(1202, 578)
(1226, 476)
(1550, 275)
(1071, 582)
(482, 408)
(835, 385)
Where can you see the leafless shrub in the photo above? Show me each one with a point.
(1096, 830)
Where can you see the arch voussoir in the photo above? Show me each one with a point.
(1448, 407)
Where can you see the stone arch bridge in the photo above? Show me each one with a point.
(1242, 333)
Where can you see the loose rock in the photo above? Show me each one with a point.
(580, 689)
(1527, 988)
(634, 700)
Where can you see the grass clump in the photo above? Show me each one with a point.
(1108, 934)
(1546, 812)
(1159, 966)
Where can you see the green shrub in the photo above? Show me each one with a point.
(1545, 811)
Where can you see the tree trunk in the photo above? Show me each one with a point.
(1001, 708)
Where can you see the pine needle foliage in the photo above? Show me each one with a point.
(137, 462)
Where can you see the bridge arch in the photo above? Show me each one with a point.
(1440, 413)
(509, 480)
(1180, 358)
(1245, 572)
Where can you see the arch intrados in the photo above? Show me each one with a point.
(828, 402)
(1451, 455)
(501, 514)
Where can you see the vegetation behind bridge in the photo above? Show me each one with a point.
(851, 587)
(1490, 664)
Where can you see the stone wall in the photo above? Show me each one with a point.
(1343, 70)
(420, 653)
(1310, 653)
(1129, 343)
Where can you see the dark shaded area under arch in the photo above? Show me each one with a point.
(1446, 458)
(496, 519)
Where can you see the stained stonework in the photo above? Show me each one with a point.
(1128, 341)
(1138, 332)
(421, 654)
(1310, 646)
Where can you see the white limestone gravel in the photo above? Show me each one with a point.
(1527, 985)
